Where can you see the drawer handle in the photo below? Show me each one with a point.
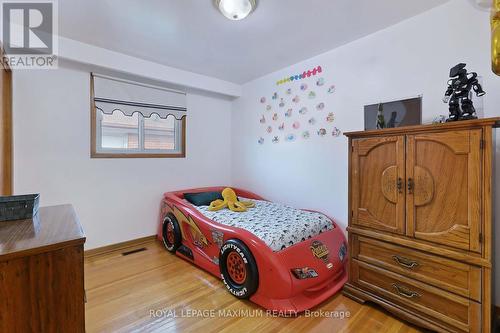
(405, 262)
(403, 291)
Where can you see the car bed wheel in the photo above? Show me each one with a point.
(238, 269)
(171, 233)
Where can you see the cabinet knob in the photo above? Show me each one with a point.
(410, 185)
(400, 185)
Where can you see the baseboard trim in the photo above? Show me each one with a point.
(118, 246)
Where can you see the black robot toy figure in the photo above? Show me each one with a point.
(459, 92)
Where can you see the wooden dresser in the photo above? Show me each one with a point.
(420, 223)
(41, 273)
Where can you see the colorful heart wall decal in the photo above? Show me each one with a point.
(295, 77)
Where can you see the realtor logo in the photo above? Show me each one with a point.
(29, 31)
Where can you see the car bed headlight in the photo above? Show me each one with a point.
(304, 273)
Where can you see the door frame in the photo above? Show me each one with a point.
(6, 147)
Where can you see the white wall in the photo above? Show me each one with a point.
(411, 58)
(97, 57)
(116, 199)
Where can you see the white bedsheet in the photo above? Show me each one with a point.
(278, 225)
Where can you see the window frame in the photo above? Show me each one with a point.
(95, 138)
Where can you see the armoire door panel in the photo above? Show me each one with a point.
(443, 201)
(378, 183)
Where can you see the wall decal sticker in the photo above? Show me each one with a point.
(304, 94)
(305, 74)
(336, 132)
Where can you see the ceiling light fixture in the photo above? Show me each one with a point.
(236, 9)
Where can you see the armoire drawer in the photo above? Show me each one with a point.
(450, 310)
(453, 276)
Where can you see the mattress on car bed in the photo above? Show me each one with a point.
(278, 225)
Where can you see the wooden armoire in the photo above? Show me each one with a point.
(420, 223)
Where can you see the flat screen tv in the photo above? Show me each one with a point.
(405, 112)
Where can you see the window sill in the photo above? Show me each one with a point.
(137, 155)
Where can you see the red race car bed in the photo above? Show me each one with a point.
(281, 258)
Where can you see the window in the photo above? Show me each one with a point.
(134, 120)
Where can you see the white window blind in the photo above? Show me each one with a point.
(112, 94)
(133, 119)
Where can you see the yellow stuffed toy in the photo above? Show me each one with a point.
(230, 201)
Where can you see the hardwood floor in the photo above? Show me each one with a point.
(142, 291)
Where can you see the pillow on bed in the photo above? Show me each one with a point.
(202, 198)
